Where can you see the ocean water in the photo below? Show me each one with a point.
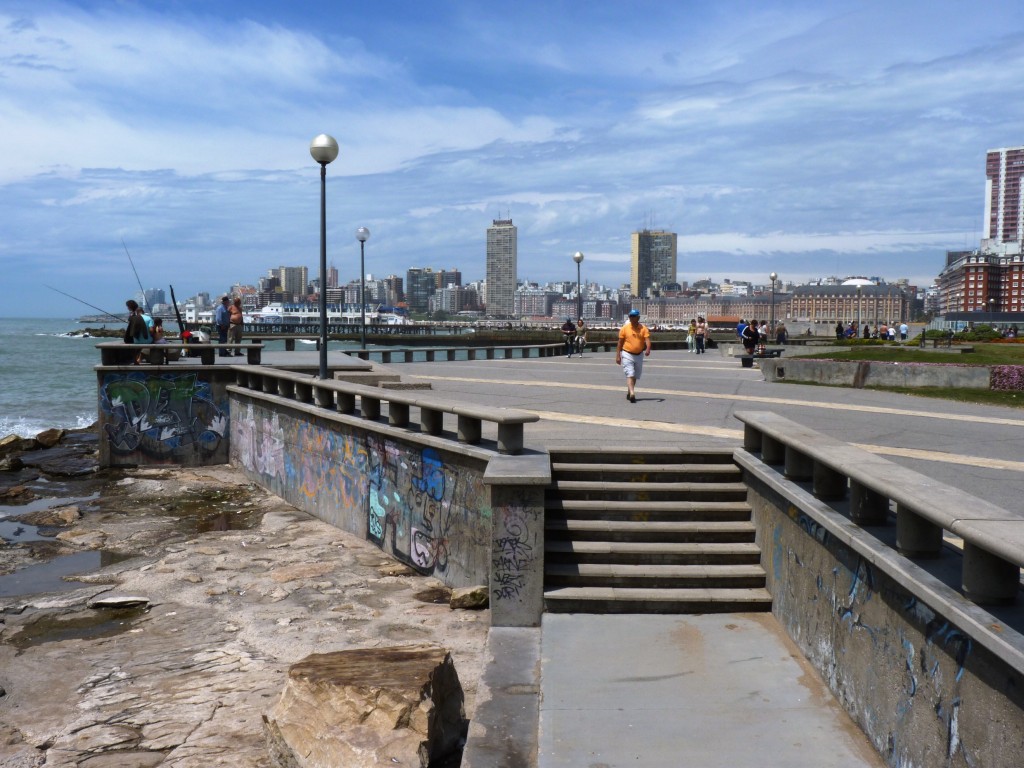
(46, 377)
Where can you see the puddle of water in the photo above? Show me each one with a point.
(38, 505)
(48, 577)
(88, 625)
(16, 533)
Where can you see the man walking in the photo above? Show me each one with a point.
(634, 345)
(222, 319)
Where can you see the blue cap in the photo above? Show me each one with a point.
(634, 313)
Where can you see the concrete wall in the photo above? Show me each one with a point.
(931, 679)
(868, 374)
(158, 415)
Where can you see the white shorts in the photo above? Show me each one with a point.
(632, 364)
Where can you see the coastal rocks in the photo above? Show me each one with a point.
(16, 494)
(471, 598)
(56, 517)
(402, 705)
(50, 437)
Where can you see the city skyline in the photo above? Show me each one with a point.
(807, 139)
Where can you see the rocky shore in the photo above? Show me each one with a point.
(175, 640)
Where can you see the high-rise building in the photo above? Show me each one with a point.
(501, 268)
(1004, 201)
(446, 277)
(654, 260)
(293, 280)
(419, 287)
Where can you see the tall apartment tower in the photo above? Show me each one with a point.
(654, 260)
(501, 268)
(1004, 200)
(293, 280)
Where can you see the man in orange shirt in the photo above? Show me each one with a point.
(634, 346)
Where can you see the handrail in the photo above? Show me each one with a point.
(341, 396)
(111, 352)
(993, 537)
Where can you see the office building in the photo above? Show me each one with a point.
(293, 280)
(654, 261)
(1004, 201)
(419, 287)
(501, 268)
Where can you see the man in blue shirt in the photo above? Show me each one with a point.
(222, 319)
(739, 329)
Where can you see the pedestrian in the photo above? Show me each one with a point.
(739, 329)
(235, 324)
(222, 319)
(701, 333)
(750, 337)
(568, 336)
(634, 345)
(904, 331)
(781, 334)
(691, 335)
(581, 336)
(840, 331)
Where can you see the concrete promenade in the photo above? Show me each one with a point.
(709, 690)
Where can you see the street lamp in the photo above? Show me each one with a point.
(771, 321)
(324, 150)
(362, 235)
(578, 258)
(991, 313)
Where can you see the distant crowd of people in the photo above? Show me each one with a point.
(880, 331)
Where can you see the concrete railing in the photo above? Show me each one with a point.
(115, 352)
(341, 396)
(993, 550)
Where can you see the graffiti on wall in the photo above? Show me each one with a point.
(513, 554)
(420, 510)
(317, 469)
(166, 417)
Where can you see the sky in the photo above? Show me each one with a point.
(809, 138)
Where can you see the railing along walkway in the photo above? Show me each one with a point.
(341, 396)
(993, 537)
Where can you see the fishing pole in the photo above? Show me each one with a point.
(145, 299)
(108, 314)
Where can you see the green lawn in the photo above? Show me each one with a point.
(983, 354)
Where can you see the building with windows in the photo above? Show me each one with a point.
(986, 285)
(653, 262)
(420, 284)
(292, 280)
(501, 268)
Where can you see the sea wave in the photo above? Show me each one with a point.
(27, 426)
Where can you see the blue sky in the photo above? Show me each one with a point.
(806, 138)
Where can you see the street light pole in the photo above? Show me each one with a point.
(771, 321)
(324, 150)
(578, 258)
(859, 331)
(992, 313)
(362, 235)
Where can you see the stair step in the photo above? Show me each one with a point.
(645, 530)
(653, 576)
(632, 600)
(633, 456)
(631, 490)
(648, 472)
(646, 510)
(657, 552)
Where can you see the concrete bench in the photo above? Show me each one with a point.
(289, 339)
(341, 395)
(115, 353)
(993, 537)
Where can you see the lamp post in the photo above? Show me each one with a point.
(771, 321)
(362, 235)
(991, 313)
(859, 290)
(578, 258)
(323, 149)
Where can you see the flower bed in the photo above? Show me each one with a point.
(1008, 378)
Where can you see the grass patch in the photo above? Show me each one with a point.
(983, 354)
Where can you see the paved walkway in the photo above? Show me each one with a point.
(711, 690)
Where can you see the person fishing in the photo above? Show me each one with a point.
(137, 331)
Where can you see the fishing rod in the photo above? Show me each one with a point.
(103, 311)
(145, 299)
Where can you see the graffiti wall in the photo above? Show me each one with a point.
(425, 507)
(922, 690)
(168, 418)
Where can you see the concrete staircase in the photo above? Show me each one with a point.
(650, 531)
